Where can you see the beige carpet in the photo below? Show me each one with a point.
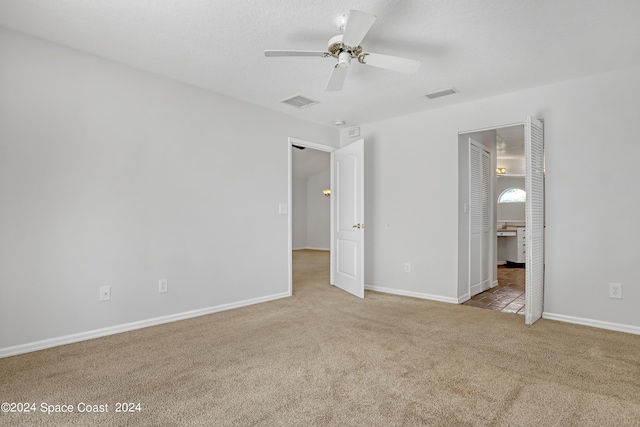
(324, 357)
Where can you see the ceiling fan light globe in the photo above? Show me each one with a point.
(344, 59)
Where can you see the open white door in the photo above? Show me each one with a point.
(534, 217)
(347, 218)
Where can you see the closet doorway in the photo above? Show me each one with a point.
(514, 255)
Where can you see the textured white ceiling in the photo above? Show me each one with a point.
(510, 142)
(482, 48)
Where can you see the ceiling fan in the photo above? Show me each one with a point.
(346, 46)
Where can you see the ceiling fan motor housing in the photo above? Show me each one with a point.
(344, 53)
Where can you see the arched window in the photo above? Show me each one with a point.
(512, 195)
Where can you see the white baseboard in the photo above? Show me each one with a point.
(463, 298)
(619, 327)
(411, 294)
(97, 333)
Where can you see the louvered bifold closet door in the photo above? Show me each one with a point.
(479, 249)
(534, 216)
(475, 183)
(486, 249)
(475, 220)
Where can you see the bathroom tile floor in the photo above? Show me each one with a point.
(507, 297)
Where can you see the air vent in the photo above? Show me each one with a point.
(299, 101)
(438, 94)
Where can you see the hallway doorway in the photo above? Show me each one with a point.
(309, 207)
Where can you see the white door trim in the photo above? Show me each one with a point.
(492, 128)
(302, 143)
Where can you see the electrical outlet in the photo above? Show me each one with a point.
(407, 267)
(615, 290)
(163, 286)
(105, 293)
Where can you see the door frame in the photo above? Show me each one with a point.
(463, 298)
(302, 143)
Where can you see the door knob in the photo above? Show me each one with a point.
(359, 226)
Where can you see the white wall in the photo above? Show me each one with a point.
(113, 176)
(311, 214)
(299, 213)
(590, 124)
(318, 211)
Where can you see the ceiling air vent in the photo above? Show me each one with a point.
(299, 101)
(438, 94)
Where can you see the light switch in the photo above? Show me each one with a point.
(283, 209)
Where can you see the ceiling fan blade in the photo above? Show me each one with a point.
(393, 63)
(336, 81)
(357, 26)
(269, 53)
